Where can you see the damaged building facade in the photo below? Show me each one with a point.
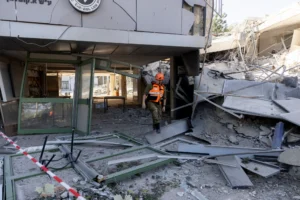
(58, 57)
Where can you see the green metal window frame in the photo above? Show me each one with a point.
(89, 102)
(124, 174)
(42, 131)
(9, 178)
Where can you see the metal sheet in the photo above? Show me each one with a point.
(129, 7)
(168, 131)
(219, 150)
(188, 19)
(153, 15)
(166, 39)
(197, 2)
(290, 105)
(35, 12)
(263, 169)
(108, 16)
(7, 10)
(65, 15)
(235, 176)
(292, 117)
(53, 32)
(266, 108)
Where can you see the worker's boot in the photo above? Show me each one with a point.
(158, 128)
(154, 128)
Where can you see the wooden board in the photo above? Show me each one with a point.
(235, 176)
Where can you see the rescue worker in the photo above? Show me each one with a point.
(155, 100)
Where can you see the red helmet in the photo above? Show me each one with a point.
(159, 77)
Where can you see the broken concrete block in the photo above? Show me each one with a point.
(119, 197)
(264, 130)
(198, 195)
(181, 194)
(233, 139)
(191, 183)
(247, 130)
(230, 126)
(75, 179)
(64, 195)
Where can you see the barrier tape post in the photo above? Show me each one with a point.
(45, 169)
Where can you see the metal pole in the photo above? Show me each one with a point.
(43, 149)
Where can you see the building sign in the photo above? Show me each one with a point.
(86, 6)
(42, 2)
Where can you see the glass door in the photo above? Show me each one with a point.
(83, 103)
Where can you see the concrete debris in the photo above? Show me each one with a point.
(198, 195)
(181, 194)
(230, 126)
(264, 130)
(290, 157)
(119, 197)
(296, 197)
(76, 179)
(293, 138)
(233, 140)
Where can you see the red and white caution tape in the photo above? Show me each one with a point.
(45, 169)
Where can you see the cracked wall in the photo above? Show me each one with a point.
(159, 16)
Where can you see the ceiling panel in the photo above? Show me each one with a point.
(8, 44)
(33, 45)
(144, 50)
(83, 47)
(60, 46)
(103, 49)
(125, 50)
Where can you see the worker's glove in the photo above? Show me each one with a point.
(164, 109)
(144, 106)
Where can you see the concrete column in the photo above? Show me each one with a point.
(296, 40)
(124, 86)
(112, 84)
(141, 88)
(173, 75)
